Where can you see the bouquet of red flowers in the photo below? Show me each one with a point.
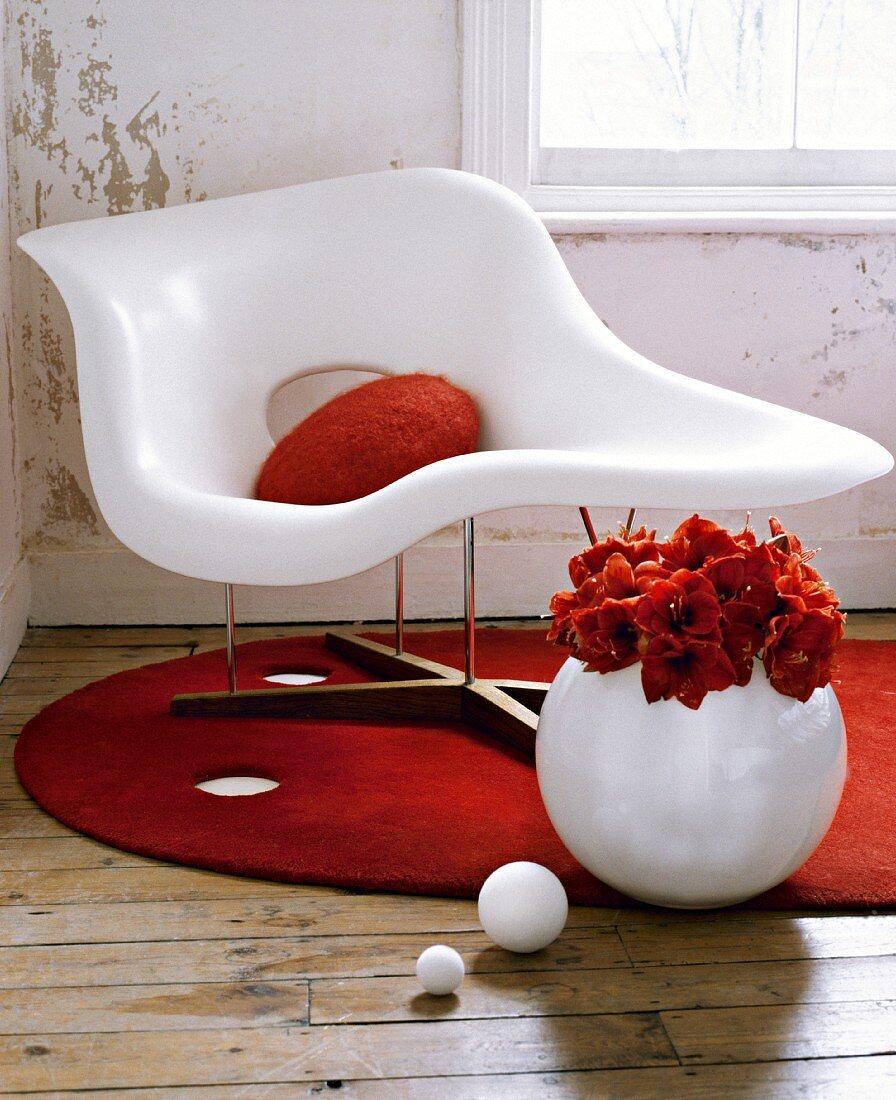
(697, 609)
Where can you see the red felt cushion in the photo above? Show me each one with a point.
(369, 437)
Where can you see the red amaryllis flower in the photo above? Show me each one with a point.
(619, 578)
(685, 604)
(618, 581)
(799, 649)
(591, 591)
(726, 575)
(742, 637)
(562, 606)
(694, 542)
(637, 547)
(783, 540)
(802, 589)
(686, 670)
(699, 610)
(748, 576)
(760, 572)
(607, 637)
(648, 573)
(783, 544)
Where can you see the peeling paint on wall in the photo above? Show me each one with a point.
(876, 532)
(119, 189)
(834, 380)
(59, 385)
(123, 192)
(34, 116)
(88, 178)
(811, 244)
(528, 533)
(60, 84)
(187, 167)
(66, 503)
(156, 184)
(41, 194)
(96, 19)
(93, 80)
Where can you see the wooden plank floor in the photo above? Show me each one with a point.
(131, 977)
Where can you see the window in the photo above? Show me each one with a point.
(755, 111)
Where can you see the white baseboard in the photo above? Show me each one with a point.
(512, 580)
(15, 599)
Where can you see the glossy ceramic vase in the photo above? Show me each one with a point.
(688, 808)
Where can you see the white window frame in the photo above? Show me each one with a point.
(498, 140)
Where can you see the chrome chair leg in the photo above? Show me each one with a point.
(469, 606)
(231, 639)
(399, 604)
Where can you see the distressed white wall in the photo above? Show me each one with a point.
(118, 105)
(14, 590)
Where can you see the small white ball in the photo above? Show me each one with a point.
(440, 970)
(523, 907)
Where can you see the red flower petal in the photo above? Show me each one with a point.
(613, 644)
(562, 606)
(743, 636)
(696, 541)
(684, 604)
(799, 649)
(686, 672)
(619, 578)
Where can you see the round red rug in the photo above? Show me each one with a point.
(422, 809)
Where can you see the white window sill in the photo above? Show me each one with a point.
(821, 222)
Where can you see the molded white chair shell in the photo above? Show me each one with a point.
(188, 319)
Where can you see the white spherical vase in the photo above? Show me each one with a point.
(688, 808)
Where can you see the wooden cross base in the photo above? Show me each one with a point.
(412, 688)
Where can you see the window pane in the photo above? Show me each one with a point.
(667, 74)
(847, 87)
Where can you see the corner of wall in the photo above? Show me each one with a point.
(15, 603)
(15, 585)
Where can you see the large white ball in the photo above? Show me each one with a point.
(523, 907)
(440, 969)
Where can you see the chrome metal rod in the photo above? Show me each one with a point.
(469, 606)
(231, 639)
(589, 527)
(399, 604)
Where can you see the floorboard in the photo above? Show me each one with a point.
(126, 976)
(826, 1079)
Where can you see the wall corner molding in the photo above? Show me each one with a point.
(15, 601)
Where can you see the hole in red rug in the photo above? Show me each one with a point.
(231, 786)
(431, 808)
(295, 678)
